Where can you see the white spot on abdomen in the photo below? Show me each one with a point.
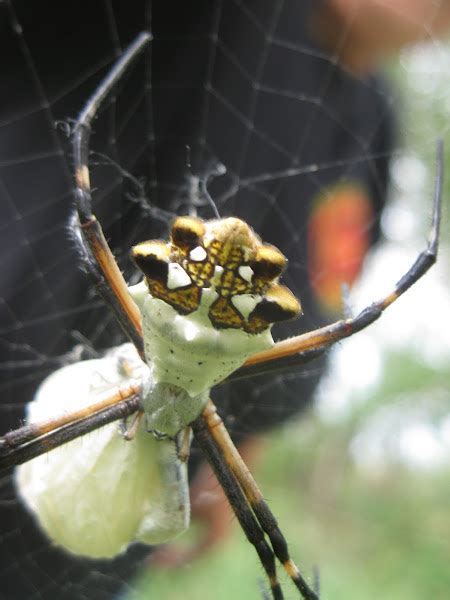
(198, 254)
(246, 273)
(245, 303)
(177, 277)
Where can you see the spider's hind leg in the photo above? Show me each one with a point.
(255, 499)
(238, 502)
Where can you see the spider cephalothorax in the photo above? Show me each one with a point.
(227, 258)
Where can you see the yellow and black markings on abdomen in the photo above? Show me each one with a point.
(227, 256)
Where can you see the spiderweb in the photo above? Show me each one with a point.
(238, 84)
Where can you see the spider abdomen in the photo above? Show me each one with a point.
(224, 255)
(185, 350)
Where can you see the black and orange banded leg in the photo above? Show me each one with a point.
(307, 345)
(265, 517)
(238, 502)
(30, 441)
(97, 256)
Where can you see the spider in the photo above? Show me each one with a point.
(202, 315)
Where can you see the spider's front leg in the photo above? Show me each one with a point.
(97, 257)
(300, 349)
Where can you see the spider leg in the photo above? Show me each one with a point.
(30, 441)
(129, 431)
(254, 497)
(97, 255)
(184, 444)
(319, 339)
(276, 366)
(238, 502)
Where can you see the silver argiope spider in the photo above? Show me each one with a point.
(210, 296)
